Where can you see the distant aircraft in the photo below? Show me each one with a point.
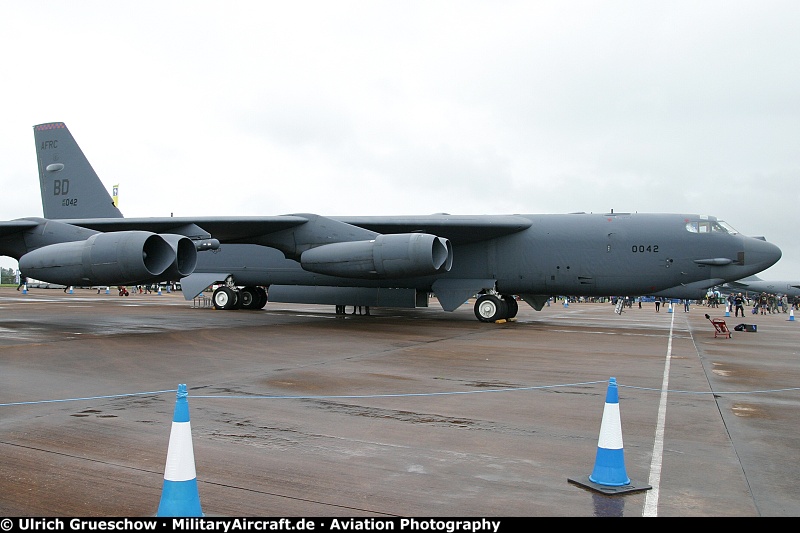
(754, 284)
(379, 261)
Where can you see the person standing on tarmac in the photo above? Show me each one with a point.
(763, 303)
(738, 303)
(22, 281)
(658, 304)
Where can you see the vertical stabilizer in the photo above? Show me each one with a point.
(70, 186)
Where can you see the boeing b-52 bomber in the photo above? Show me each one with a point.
(379, 261)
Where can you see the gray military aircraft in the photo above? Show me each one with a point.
(379, 261)
(754, 284)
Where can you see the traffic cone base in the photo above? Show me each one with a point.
(180, 499)
(633, 486)
(607, 470)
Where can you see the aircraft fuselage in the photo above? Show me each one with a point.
(571, 254)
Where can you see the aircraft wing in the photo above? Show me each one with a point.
(736, 285)
(225, 229)
(756, 284)
(15, 226)
(460, 229)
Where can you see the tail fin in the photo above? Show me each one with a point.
(70, 186)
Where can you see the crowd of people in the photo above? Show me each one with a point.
(736, 303)
(758, 304)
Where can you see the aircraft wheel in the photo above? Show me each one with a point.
(238, 303)
(262, 297)
(512, 307)
(250, 298)
(224, 298)
(490, 308)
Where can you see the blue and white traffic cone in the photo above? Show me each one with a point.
(25, 288)
(609, 476)
(566, 302)
(70, 290)
(791, 315)
(609, 465)
(108, 289)
(670, 308)
(727, 310)
(180, 497)
(159, 290)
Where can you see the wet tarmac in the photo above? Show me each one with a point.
(296, 411)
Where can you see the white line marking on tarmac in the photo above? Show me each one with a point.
(651, 499)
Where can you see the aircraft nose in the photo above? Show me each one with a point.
(760, 254)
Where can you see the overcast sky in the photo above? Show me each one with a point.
(415, 107)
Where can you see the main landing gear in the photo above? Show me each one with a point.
(494, 307)
(227, 297)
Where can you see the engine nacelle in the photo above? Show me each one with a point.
(387, 256)
(114, 258)
(185, 251)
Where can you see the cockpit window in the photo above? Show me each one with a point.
(709, 226)
(727, 227)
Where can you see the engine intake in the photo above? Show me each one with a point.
(114, 258)
(185, 253)
(387, 256)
